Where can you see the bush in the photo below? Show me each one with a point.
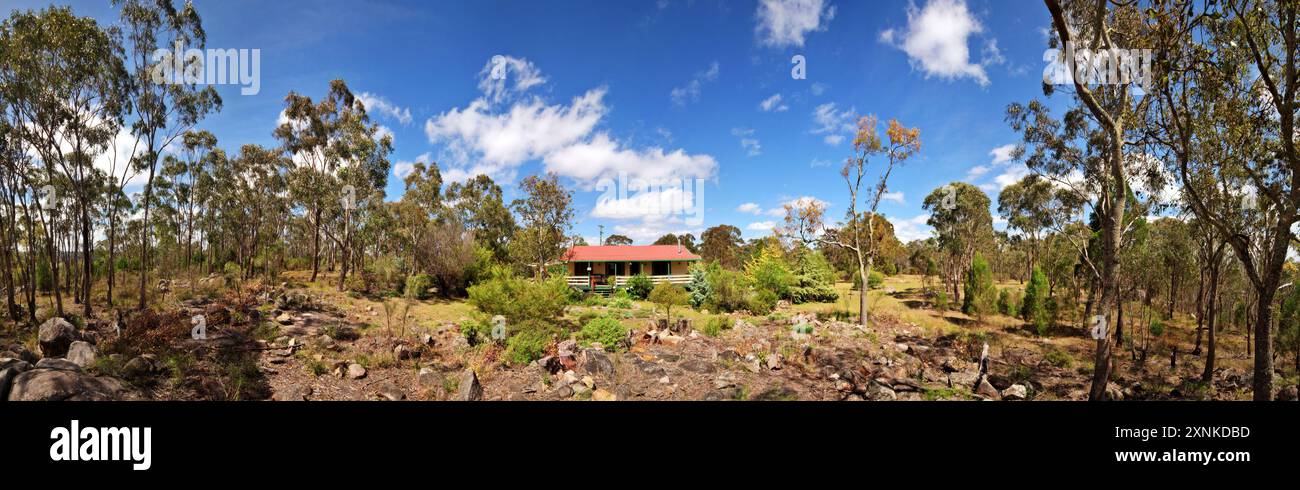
(728, 290)
(769, 272)
(530, 341)
(1009, 302)
(698, 288)
(417, 286)
(520, 299)
(762, 302)
(874, 280)
(607, 331)
(667, 296)
(1033, 308)
(639, 286)
(714, 326)
(941, 301)
(814, 279)
(981, 297)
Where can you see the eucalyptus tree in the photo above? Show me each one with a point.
(546, 216)
(165, 107)
(1024, 206)
(959, 214)
(804, 218)
(184, 173)
(1228, 110)
(67, 85)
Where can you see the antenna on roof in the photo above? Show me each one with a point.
(602, 235)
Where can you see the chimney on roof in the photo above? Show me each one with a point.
(679, 245)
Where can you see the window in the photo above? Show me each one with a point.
(616, 268)
(582, 268)
(635, 269)
(659, 268)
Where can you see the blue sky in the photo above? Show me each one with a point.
(666, 89)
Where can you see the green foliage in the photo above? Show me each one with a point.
(768, 271)
(667, 296)
(728, 290)
(44, 278)
(981, 296)
(1059, 358)
(762, 302)
(639, 286)
(520, 299)
(699, 285)
(1009, 302)
(941, 301)
(1157, 328)
(417, 286)
(607, 331)
(1034, 307)
(875, 280)
(814, 279)
(529, 341)
(714, 325)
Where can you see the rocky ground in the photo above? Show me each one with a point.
(286, 343)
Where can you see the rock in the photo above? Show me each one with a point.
(401, 352)
(284, 319)
(751, 365)
(729, 355)
(724, 394)
(55, 335)
(999, 381)
(603, 396)
(355, 371)
(579, 388)
(429, 378)
(470, 390)
(588, 382)
(427, 339)
(59, 364)
(664, 380)
(81, 353)
(773, 361)
(294, 393)
(778, 393)
(9, 369)
(1015, 392)
(564, 392)
(1114, 392)
(1286, 394)
(142, 365)
(390, 392)
(880, 393)
(986, 390)
(697, 366)
(595, 361)
(60, 385)
(962, 379)
(724, 380)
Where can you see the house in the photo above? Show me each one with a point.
(602, 268)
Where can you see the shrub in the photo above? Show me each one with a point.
(980, 295)
(714, 326)
(941, 301)
(874, 280)
(608, 331)
(1009, 302)
(728, 290)
(698, 288)
(417, 286)
(768, 272)
(762, 302)
(667, 296)
(622, 303)
(1033, 308)
(520, 299)
(639, 286)
(529, 341)
(1059, 358)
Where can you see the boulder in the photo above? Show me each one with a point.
(81, 353)
(1286, 394)
(603, 396)
(986, 390)
(595, 361)
(10, 369)
(470, 390)
(697, 366)
(389, 391)
(355, 371)
(1015, 392)
(294, 393)
(59, 364)
(880, 393)
(429, 378)
(142, 365)
(55, 336)
(60, 385)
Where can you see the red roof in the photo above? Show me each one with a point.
(628, 253)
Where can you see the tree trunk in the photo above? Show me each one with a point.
(1200, 314)
(1211, 308)
(315, 244)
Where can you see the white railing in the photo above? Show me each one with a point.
(620, 281)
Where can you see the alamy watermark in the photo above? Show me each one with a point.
(241, 67)
(637, 197)
(1113, 66)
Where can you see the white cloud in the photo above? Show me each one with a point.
(911, 229)
(749, 207)
(403, 168)
(377, 104)
(784, 23)
(747, 141)
(977, 172)
(691, 91)
(1002, 154)
(773, 104)
(935, 40)
(817, 88)
(504, 76)
(604, 158)
(761, 226)
(833, 124)
(893, 196)
(653, 205)
(500, 141)
(818, 162)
